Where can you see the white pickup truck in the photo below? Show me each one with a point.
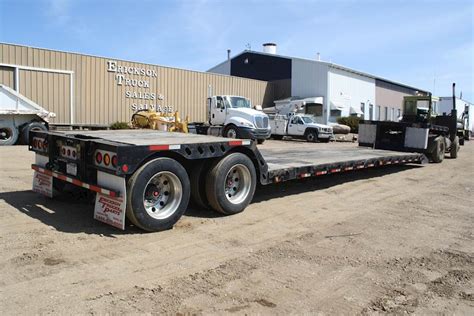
(299, 126)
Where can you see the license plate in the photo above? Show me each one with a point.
(71, 168)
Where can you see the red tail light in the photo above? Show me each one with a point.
(74, 154)
(98, 157)
(114, 161)
(64, 151)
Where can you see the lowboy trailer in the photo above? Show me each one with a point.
(149, 176)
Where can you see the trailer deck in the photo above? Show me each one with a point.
(292, 162)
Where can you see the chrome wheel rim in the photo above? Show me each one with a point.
(5, 134)
(237, 184)
(231, 133)
(163, 194)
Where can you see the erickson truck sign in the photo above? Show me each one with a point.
(135, 77)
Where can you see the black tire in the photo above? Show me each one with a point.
(231, 129)
(8, 135)
(277, 137)
(439, 149)
(197, 179)
(260, 141)
(461, 141)
(453, 151)
(311, 136)
(244, 185)
(33, 126)
(172, 177)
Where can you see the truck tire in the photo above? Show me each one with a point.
(231, 131)
(8, 134)
(453, 151)
(197, 179)
(439, 149)
(158, 194)
(33, 126)
(260, 141)
(277, 137)
(461, 140)
(311, 136)
(230, 184)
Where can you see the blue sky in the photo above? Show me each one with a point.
(427, 44)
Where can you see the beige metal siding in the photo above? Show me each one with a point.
(7, 76)
(49, 90)
(98, 99)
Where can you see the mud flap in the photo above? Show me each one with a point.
(43, 184)
(108, 209)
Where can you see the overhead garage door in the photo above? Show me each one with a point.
(49, 90)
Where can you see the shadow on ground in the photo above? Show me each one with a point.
(74, 214)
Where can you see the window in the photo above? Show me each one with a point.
(362, 107)
(335, 113)
(378, 116)
(399, 115)
(386, 113)
(371, 112)
(392, 114)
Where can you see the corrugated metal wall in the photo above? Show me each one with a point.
(7, 76)
(98, 99)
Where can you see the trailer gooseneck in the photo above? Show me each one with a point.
(149, 176)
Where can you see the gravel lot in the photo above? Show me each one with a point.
(394, 239)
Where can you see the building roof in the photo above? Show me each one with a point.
(330, 64)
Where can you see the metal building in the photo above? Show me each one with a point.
(345, 91)
(83, 89)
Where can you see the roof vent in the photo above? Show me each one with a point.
(270, 48)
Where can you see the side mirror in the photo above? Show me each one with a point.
(258, 107)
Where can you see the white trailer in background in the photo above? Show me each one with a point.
(18, 116)
(465, 111)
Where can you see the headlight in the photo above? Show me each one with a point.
(247, 124)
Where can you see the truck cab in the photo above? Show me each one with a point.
(236, 118)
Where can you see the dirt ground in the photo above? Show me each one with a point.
(394, 239)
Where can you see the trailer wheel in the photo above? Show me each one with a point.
(158, 194)
(453, 151)
(277, 137)
(8, 134)
(439, 149)
(197, 178)
(231, 132)
(230, 184)
(33, 126)
(311, 136)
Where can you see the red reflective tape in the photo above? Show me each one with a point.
(94, 188)
(318, 173)
(158, 147)
(335, 170)
(61, 177)
(76, 182)
(235, 143)
(112, 194)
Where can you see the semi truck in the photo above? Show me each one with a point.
(18, 116)
(299, 126)
(234, 117)
(419, 130)
(149, 176)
